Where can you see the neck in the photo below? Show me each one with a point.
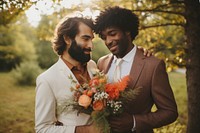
(131, 46)
(68, 58)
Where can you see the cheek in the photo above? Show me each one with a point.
(80, 44)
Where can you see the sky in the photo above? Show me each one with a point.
(45, 7)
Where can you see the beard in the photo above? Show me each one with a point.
(123, 45)
(77, 52)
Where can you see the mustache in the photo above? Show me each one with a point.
(87, 49)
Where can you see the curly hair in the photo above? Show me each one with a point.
(121, 18)
(69, 27)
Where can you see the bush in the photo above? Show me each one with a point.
(175, 127)
(26, 73)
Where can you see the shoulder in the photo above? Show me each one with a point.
(155, 64)
(48, 74)
(91, 64)
(152, 60)
(104, 58)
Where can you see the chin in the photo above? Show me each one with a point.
(114, 52)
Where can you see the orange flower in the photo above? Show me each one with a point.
(89, 93)
(98, 105)
(94, 81)
(123, 83)
(112, 90)
(102, 80)
(84, 100)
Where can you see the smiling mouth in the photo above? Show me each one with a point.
(113, 48)
(87, 51)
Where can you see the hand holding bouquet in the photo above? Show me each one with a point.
(100, 99)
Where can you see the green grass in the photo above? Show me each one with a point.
(178, 83)
(17, 105)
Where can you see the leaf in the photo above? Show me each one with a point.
(100, 120)
(129, 94)
(66, 106)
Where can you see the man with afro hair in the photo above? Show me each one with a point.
(118, 27)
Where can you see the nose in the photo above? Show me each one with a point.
(90, 44)
(108, 40)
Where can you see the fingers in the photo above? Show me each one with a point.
(146, 52)
(115, 123)
(139, 47)
(121, 123)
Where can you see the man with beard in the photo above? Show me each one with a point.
(118, 27)
(73, 44)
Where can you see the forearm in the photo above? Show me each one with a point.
(162, 98)
(154, 119)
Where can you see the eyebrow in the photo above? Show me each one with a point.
(113, 30)
(86, 36)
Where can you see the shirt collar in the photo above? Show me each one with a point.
(71, 66)
(129, 56)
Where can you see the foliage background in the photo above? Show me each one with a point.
(161, 30)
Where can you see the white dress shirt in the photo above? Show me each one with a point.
(125, 66)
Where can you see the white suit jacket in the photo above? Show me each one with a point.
(52, 86)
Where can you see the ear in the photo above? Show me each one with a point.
(67, 39)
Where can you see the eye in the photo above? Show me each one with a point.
(113, 33)
(86, 38)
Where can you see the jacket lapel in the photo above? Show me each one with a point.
(91, 66)
(136, 69)
(107, 63)
(65, 71)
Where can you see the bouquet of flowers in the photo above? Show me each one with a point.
(100, 99)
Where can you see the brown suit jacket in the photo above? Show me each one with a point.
(149, 73)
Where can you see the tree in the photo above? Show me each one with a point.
(192, 29)
(12, 41)
(44, 33)
(15, 46)
(10, 9)
(162, 22)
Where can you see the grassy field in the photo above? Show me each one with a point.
(17, 105)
